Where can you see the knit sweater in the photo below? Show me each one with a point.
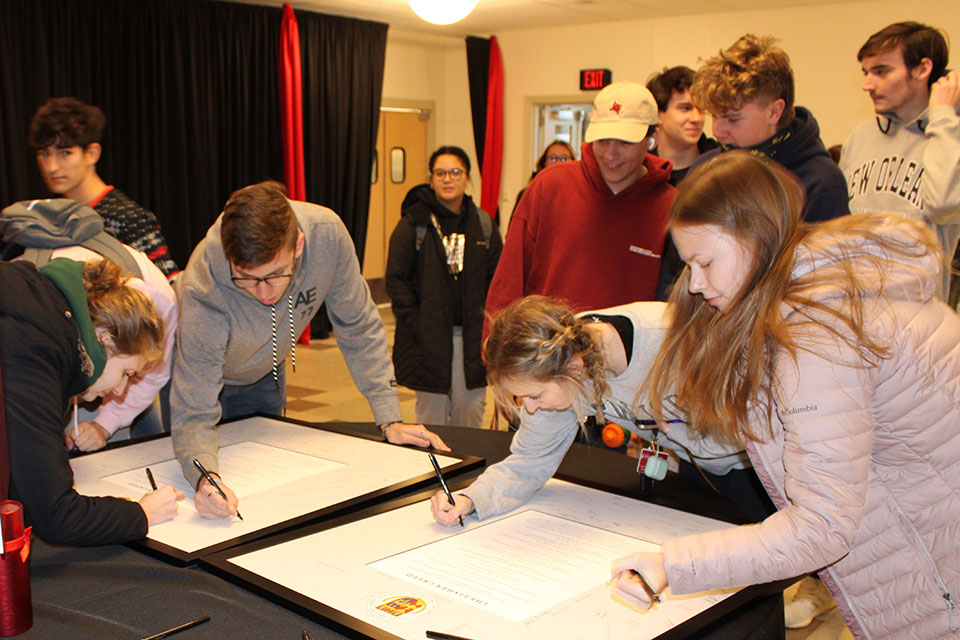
(136, 226)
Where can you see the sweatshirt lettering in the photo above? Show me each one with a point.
(892, 175)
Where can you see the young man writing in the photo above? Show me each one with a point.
(250, 288)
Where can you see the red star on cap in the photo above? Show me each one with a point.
(615, 107)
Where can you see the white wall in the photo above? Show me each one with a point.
(433, 68)
(822, 41)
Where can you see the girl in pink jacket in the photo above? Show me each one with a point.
(826, 353)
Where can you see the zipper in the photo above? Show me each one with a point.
(911, 531)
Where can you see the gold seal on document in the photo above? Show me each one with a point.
(401, 606)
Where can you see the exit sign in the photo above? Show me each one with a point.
(591, 79)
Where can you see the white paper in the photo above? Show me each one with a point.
(250, 466)
(518, 566)
(280, 471)
(343, 568)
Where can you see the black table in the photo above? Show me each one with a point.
(114, 592)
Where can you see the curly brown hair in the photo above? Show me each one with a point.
(751, 69)
(123, 312)
(66, 122)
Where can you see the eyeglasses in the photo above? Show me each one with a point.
(248, 282)
(555, 159)
(454, 174)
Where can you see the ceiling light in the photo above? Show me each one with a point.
(442, 11)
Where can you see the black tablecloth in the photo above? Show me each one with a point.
(114, 592)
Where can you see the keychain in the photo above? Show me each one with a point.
(653, 461)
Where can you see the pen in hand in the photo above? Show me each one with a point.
(647, 589)
(443, 484)
(153, 483)
(212, 482)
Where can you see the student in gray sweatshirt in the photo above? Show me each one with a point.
(555, 368)
(907, 159)
(250, 288)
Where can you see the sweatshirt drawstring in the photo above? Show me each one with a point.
(293, 345)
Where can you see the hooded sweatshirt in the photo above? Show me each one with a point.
(227, 337)
(912, 169)
(863, 461)
(571, 237)
(799, 149)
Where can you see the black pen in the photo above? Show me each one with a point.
(439, 635)
(446, 490)
(213, 483)
(153, 483)
(646, 587)
(182, 627)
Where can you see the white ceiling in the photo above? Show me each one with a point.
(494, 16)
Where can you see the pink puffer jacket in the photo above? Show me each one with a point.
(864, 462)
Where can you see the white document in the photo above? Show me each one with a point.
(538, 572)
(518, 566)
(251, 467)
(279, 470)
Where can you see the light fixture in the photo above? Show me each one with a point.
(442, 11)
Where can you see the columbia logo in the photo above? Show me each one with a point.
(644, 252)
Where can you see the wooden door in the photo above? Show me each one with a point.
(401, 165)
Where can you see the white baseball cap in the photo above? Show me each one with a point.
(622, 111)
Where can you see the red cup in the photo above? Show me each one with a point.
(16, 606)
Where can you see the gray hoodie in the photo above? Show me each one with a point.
(544, 437)
(225, 335)
(912, 169)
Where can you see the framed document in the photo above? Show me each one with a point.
(540, 571)
(285, 473)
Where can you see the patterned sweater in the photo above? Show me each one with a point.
(136, 226)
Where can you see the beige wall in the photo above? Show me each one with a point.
(822, 41)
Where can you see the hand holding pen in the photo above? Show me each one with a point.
(639, 578)
(206, 499)
(161, 504)
(443, 485)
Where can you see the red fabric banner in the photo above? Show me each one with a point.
(291, 105)
(493, 143)
(291, 114)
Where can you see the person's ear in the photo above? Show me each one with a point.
(923, 70)
(576, 368)
(93, 152)
(776, 109)
(301, 240)
(106, 339)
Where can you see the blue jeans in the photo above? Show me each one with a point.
(263, 396)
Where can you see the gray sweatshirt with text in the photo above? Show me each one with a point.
(225, 335)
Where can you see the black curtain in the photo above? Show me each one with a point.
(478, 72)
(190, 90)
(343, 62)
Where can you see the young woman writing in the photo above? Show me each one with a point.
(825, 351)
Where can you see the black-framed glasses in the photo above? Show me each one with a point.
(249, 282)
(555, 159)
(455, 174)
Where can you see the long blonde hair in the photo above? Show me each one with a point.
(123, 312)
(719, 363)
(539, 338)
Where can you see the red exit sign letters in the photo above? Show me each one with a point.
(593, 79)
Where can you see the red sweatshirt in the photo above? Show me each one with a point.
(574, 239)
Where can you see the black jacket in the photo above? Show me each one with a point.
(427, 300)
(41, 369)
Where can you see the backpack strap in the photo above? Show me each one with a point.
(421, 234)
